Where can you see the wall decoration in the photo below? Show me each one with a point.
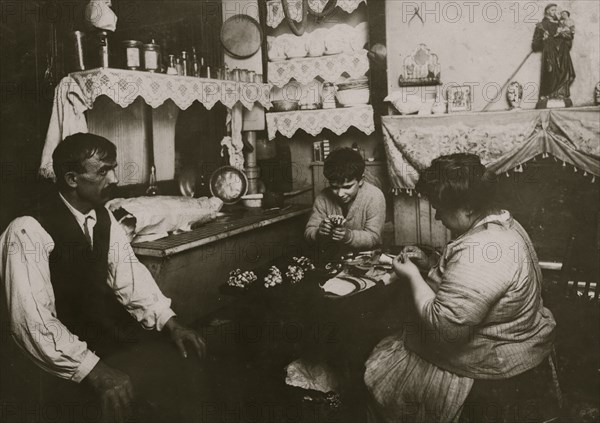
(459, 99)
(514, 95)
(422, 67)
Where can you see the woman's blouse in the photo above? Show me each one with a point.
(487, 320)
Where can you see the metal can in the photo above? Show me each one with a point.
(103, 49)
(76, 61)
(132, 54)
(152, 57)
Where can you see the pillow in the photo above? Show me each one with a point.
(150, 218)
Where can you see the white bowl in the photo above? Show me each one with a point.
(348, 98)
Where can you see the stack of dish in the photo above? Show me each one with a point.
(353, 92)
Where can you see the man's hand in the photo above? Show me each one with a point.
(115, 390)
(340, 233)
(180, 335)
(325, 228)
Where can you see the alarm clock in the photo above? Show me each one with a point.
(229, 184)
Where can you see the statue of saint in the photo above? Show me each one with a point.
(554, 38)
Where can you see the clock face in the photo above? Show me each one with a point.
(229, 184)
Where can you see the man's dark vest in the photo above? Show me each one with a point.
(85, 303)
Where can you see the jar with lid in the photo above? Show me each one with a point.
(132, 54)
(152, 57)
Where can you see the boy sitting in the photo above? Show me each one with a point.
(350, 211)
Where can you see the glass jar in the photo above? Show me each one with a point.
(328, 96)
(152, 57)
(172, 68)
(132, 54)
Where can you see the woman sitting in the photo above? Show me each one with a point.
(480, 337)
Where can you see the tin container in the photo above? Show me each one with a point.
(152, 57)
(75, 52)
(103, 49)
(132, 54)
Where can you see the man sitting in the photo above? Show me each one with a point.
(82, 308)
(348, 195)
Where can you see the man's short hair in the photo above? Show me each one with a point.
(549, 6)
(75, 149)
(344, 164)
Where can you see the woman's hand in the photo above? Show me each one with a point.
(423, 261)
(404, 268)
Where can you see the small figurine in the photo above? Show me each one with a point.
(514, 95)
(566, 26)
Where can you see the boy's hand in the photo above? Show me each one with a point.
(340, 233)
(325, 228)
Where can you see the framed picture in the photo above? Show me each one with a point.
(459, 99)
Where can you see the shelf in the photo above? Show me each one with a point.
(124, 86)
(367, 163)
(328, 68)
(314, 121)
(275, 9)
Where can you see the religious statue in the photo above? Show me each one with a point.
(554, 38)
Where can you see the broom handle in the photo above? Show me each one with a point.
(508, 80)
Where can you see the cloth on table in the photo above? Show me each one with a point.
(67, 118)
(408, 388)
(150, 218)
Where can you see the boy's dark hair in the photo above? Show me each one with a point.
(75, 149)
(459, 181)
(344, 164)
(567, 12)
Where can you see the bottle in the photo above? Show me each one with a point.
(195, 64)
(103, 48)
(152, 187)
(172, 68)
(179, 66)
(202, 68)
(184, 63)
